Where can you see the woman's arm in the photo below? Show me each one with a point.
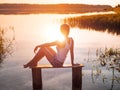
(45, 45)
(72, 52)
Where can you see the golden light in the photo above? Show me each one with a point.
(52, 33)
(61, 38)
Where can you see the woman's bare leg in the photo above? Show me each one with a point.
(44, 51)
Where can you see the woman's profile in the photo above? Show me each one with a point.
(56, 59)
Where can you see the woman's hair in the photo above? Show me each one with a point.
(65, 29)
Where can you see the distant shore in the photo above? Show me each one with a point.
(51, 8)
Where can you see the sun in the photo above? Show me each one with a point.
(53, 33)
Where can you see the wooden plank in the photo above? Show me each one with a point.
(76, 75)
(37, 78)
(77, 78)
(64, 66)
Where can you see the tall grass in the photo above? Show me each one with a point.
(103, 22)
(6, 43)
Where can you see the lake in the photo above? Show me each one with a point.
(34, 29)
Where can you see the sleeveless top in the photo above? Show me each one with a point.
(62, 52)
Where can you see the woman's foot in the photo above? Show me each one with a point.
(30, 64)
(25, 66)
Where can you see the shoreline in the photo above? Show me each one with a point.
(51, 8)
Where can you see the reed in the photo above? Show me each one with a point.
(102, 22)
(6, 43)
(107, 59)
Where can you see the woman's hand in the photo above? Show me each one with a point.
(36, 49)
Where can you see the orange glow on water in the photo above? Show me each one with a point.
(42, 28)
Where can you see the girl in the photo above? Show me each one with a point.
(55, 58)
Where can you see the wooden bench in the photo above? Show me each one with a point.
(76, 75)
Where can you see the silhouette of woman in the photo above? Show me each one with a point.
(56, 59)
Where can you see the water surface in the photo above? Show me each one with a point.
(34, 29)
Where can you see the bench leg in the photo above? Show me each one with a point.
(37, 78)
(77, 78)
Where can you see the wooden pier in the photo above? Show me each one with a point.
(76, 75)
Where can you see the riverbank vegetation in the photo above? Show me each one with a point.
(117, 8)
(6, 43)
(109, 22)
(107, 60)
(100, 22)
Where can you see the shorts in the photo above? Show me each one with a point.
(57, 63)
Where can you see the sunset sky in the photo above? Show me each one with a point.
(103, 2)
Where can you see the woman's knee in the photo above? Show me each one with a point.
(41, 50)
(44, 48)
(48, 51)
